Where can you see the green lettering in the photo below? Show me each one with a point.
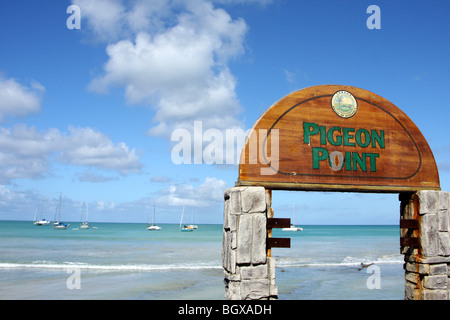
(323, 135)
(309, 129)
(319, 154)
(366, 138)
(359, 160)
(377, 138)
(330, 138)
(373, 161)
(348, 161)
(348, 136)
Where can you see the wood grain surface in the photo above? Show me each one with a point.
(378, 149)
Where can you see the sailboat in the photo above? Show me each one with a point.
(292, 227)
(38, 220)
(184, 228)
(153, 226)
(58, 225)
(193, 225)
(84, 223)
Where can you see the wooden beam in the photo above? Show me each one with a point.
(410, 242)
(273, 223)
(409, 224)
(278, 243)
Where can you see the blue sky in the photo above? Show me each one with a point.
(89, 112)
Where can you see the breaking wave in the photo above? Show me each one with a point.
(346, 262)
(281, 262)
(98, 267)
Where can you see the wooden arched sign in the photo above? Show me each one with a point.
(337, 138)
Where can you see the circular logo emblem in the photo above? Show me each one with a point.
(344, 104)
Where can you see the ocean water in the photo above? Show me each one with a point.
(125, 261)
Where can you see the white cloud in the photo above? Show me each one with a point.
(112, 20)
(104, 17)
(174, 59)
(87, 147)
(20, 203)
(210, 192)
(18, 100)
(105, 205)
(26, 153)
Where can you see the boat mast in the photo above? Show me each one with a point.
(182, 213)
(293, 214)
(84, 215)
(59, 209)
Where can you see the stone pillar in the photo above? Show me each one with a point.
(248, 273)
(427, 266)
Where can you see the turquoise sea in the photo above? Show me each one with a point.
(125, 261)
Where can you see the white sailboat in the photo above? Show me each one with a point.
(84, 223)
(38, 217)
(57, 224)
(153, 226)
(193, 225)
(292, 227)
(184, 228)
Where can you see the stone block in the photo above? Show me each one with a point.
(428, 201)
(226, 214)
(443, 220)
(233, 290)
(228, 254)
(232, 261)
(438, 268)
(259, 253)
(412, 277)
(435, 282)
(253, 199)
(271, 267)
(232, 223)
(233, 237)
(235, 201)
(420, 268)
(225, 251)
(255, 289)
(231, 276)
(254, 272)
(428, 235)
(411, 292)
(244, 240)
(444, 244)
(409, 266)
(434, 294)
(444, 200)
(229, 220)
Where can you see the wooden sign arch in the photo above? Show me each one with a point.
(337, 138)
